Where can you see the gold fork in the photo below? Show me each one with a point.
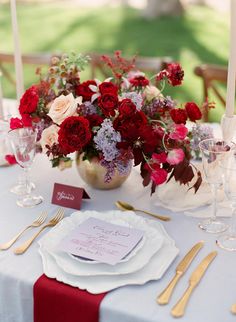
(55, 220)
(38, 222)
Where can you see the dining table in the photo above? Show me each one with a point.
(210, 302)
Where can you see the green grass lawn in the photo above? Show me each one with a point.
(201, 35)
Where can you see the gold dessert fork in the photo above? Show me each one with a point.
(55, 220)
(126, 206)
(38, 222)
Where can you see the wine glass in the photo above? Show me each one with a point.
(23, 142)
(228, 240)
(215, 154)
(20, 187)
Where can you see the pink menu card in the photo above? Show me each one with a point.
(96, 239)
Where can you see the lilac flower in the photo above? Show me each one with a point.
(110, 167)
(39, 127)
(200, 132)
(136, 98)
(122, 167)
(87, 108)
(106, 140)
(169, 102)
(159, 103)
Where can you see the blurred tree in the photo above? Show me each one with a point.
(156, 8)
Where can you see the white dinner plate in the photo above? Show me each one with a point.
(154, 270)
(152, 243)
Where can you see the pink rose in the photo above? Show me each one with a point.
(63, 107)
(49, 137)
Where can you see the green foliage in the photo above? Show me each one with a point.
(77, 60)
(56, 161)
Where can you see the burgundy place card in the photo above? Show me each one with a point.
(68, 196)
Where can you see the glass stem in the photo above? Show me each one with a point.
(214, 203)
(232, 229)
(27, 181)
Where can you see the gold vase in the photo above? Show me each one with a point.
(93, 174)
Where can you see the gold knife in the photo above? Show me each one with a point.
(179, 309)
(164, 297)
(233, 308)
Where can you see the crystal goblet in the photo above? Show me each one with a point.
(228, 239)
(215, 153)
(20, 187)
(23, 142)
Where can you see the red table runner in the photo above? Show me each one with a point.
(58, 302)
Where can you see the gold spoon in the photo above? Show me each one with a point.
(125, 206)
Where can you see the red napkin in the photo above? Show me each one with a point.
(58, 302)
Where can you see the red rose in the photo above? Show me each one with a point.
(108, 103)
(29, 101)
(175, 74)
(74, 134)
(139, 81)
(84, 90)
(94, 120)
(127, 107)
(178, 115)
(108, 88)
(193, 111)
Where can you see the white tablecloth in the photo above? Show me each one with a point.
(210, 302)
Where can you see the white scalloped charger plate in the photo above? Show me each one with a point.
(153, 242)
(154, 270)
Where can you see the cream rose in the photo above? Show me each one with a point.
(63, 107)
(151, 92)
(49, 137)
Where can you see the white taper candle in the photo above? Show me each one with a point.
(230, 98)
(17, 53)
(1, 98)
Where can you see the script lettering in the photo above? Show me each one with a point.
(62, 195)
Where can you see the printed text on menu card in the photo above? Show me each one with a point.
(99, 240)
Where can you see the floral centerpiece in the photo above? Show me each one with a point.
(122, 121)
